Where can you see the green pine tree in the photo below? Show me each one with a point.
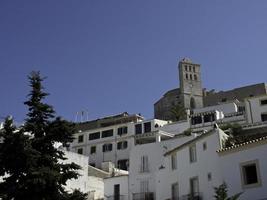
(28, 155)
(221, 193)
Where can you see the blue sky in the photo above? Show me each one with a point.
(110, 56)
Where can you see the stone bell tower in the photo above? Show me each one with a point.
(191, 92)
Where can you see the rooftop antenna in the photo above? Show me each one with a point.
(82, 116)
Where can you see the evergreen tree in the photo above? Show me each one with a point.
(29, 157)
(221, 193)
(178, 112)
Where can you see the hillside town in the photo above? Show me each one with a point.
(198, 140)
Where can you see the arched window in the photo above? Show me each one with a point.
(192, 103)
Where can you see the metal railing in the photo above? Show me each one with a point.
(143, 196)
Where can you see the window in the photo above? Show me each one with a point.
(186, 76)
(123, 164)
(94, 136)
(194, 69)
(92, 164)
(122, 145)
(107, 147)
(174, 161)
(192, 154)
(190, 68)
(185, 67)
(93, 149)
(195, 77)
(122, 130)
(144, 164)
(116, 192)
(224, 99)
(263, 117)
(209, 176)
(80, 151)
(204, 146)
(191, 77)
(138, 129)
(264, 102)
(175, 191)
(80, 138)
(250, 174)
(147, 127)
(194, 187)
(107, 133)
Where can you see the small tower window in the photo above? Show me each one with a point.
(190, 76)
(185, 67)
(190, 68)
(194, 69)
(186, 76)
(195, 77)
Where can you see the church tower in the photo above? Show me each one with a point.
(191, 92)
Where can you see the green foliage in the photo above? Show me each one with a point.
(178, 112)
(221, 193)
(28, 157)
(187, 132)
(234, 129)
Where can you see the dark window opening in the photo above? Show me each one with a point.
(264, 102)
(147, 127)
(80, 138)
(195, 77)
(138, 129)
(107, 147)
(94, 136)
(263, 117)
(122, 145)
(122, 130)
(107, 133)
(93, 150)
(250, 174)
(123, 164)
(80, 151)
(224, 99)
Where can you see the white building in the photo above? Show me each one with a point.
(256, 109)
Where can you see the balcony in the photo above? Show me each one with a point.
(192, 196)
(118, 197)
(143, 196)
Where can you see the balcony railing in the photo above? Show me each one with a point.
(192, 196)
(118, 197)
(143, 196)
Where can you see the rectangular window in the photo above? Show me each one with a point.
(204, 146)
(192, 154)
(117, 192)
(147, 127)
(107, 133)
(80, 138)
(122, 145)
(144, 164)
(123, 164)
(175, 191)
(94, 136)
(80, 151)
(138, 129)
(122, 130)
(93, 149)
(264, 102)
(263, 117)
(107, 147)
(194, 187)
(250, 174)
(174, 161)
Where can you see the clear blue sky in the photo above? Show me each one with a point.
(110, 56)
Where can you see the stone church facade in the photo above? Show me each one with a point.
(191, 94)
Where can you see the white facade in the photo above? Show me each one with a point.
(119, 184)
(94, 148)
(148, 159)
(256, 109)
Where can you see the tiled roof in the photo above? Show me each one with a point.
(242, 144)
